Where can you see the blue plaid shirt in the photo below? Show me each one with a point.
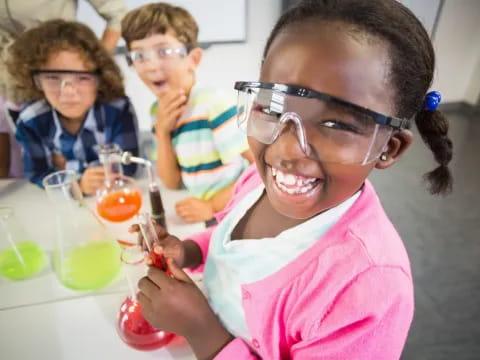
(41, 135)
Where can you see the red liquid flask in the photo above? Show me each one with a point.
(136, 332)
(132, 327)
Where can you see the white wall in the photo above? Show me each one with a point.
(457, 47)
(222, 64)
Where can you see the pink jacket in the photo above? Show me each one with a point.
(350, 296)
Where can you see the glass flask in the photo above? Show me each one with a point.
(20, 257)
(119, 199)
(86, 256)
(132, 327)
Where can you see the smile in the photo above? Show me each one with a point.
(294, 184)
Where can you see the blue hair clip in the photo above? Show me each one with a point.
(432, 100)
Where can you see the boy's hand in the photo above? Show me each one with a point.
(168, 245)
(170, 106)
(59, 161)
(92, 179)
(194, 210)
(175, 304)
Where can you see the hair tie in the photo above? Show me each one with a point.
(432, 100)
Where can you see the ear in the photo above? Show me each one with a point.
(396, 146)
(195, 56)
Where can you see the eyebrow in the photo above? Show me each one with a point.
(342, 109)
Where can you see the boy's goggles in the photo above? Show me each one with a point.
(139, 57)
(327, 127)
(55, 80)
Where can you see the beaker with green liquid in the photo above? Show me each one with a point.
(86, 255)
(20, 257)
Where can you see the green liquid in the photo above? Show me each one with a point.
(32, 260)
(90, 266)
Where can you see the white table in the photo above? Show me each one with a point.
(41, 319)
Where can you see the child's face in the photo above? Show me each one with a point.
(74, 97)
(326, 59)
(162, 67)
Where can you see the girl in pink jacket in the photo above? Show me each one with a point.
(304, 263)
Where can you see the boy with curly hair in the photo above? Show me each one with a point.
(77, 102)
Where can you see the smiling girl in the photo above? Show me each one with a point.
(304, 263)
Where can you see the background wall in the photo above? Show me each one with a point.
(222, 65)
(457, 46)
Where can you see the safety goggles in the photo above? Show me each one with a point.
(140, 57)
(54, 81)
(330, 128)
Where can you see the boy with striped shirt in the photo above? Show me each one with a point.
(198, 143)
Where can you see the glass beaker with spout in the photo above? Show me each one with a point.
(119, 199)
(20, 257)
(86, 255)
(132, 327)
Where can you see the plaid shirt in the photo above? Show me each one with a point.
(41, 135)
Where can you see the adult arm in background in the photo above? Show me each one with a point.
(112, 11)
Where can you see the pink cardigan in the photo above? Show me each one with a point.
(350, 296)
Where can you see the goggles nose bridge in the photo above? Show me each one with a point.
(297, 121)
(64, 83)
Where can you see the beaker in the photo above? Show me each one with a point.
(132, 327)
(119, 199)
(20, 257)
(86, 256)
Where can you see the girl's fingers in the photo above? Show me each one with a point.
(177, 272)
(134, 228)
(147, 286)
(158, 278)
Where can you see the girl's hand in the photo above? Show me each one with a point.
(92, 179)
(175, 304)
(168, 245)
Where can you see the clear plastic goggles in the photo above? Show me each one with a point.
(140, 57)
(54, 81)
(327, 127)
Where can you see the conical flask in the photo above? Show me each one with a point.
(132, 327)
(120, 198)
(86, 256)
(20, 257)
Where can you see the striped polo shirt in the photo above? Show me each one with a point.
(208, 143)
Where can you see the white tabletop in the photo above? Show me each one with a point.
(40, 318)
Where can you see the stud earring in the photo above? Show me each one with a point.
(383, 157)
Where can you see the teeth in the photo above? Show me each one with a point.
(292, 184)
(290, 179)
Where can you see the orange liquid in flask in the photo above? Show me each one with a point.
(120, 205)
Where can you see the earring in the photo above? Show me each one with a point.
(383, 157)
